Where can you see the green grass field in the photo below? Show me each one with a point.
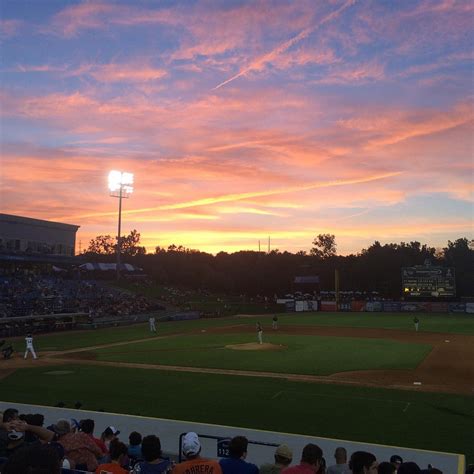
(313, 355)
(418, 420)
(455, 324)
(440, 422)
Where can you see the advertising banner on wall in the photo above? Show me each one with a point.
(457, 307)
(345, 306)
(290, 306)
(439, 307)
(328, 305)
(415, 307)
(469, 307)
(358, 305)
(391, 306)
(373, 306)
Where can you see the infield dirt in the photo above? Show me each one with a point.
(448, 368)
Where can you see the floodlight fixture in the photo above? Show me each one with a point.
(120, 186)
(121, 181)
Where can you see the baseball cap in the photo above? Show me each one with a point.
(111, 430)
(396, 458)
(284, 452)
(75, 424)
(62, 427)
(191, 444)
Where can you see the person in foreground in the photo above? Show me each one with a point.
(154, 462)
(194, 463)
(311, 460)
(118, 451)
(35, 459)
(363, 463)
(341, 466)
(236, 463)
(283, 457)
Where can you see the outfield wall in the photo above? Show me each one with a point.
(170, 430)
(377, 306)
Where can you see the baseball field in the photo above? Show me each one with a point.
(358, 376)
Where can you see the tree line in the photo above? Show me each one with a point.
(377, 268)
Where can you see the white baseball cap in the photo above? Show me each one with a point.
(191, 445)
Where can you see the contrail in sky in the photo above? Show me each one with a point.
(259, 62)
(242, 196)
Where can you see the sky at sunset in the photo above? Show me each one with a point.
(241, 119)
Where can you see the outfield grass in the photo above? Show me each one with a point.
(436, 322)
(443, 323)
(311, 355)
(440, 422)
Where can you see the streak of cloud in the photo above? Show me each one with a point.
(259, 63)
(243, 196)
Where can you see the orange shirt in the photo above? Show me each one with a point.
(111, 467)
(198, 466)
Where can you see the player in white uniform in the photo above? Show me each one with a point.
(259, 333)
(152, 324)
(29, 346)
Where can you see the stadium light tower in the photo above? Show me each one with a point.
(120, 186)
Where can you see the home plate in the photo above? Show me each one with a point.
(203, 330)
(447, 340)
(416, 383)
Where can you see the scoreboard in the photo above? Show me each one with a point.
(428, 281)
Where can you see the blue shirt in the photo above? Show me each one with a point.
(135, 451)
(237, 466)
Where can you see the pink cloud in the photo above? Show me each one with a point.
(353, 74)
(258, 64)
(95, 15)
(9, 28)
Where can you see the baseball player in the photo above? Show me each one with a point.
(416, 321)
(152, 324)
(29, 346)
(275, 322)
(259, 333)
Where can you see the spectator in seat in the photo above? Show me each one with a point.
(134, 448)
(409, 468)
(236, 464)
(13, 433)
(311, 460)
(87, 426)
(386, 468)
(108, 435)
(283, 457)
(191, 449)
(118, 452)
(154, 462)
(363, 463)
(37, 459)
(341, 466)
(396, 460)
(79, 449)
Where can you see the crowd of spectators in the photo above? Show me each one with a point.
(70, 446)
(25, 292)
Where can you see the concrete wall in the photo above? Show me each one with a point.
(169, 431)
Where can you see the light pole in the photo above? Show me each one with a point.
(120, 186)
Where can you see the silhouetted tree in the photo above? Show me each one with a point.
(102, 245)
(324, 246)
(131, 244)
(107, 245)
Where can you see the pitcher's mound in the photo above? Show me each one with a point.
(255, 346)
